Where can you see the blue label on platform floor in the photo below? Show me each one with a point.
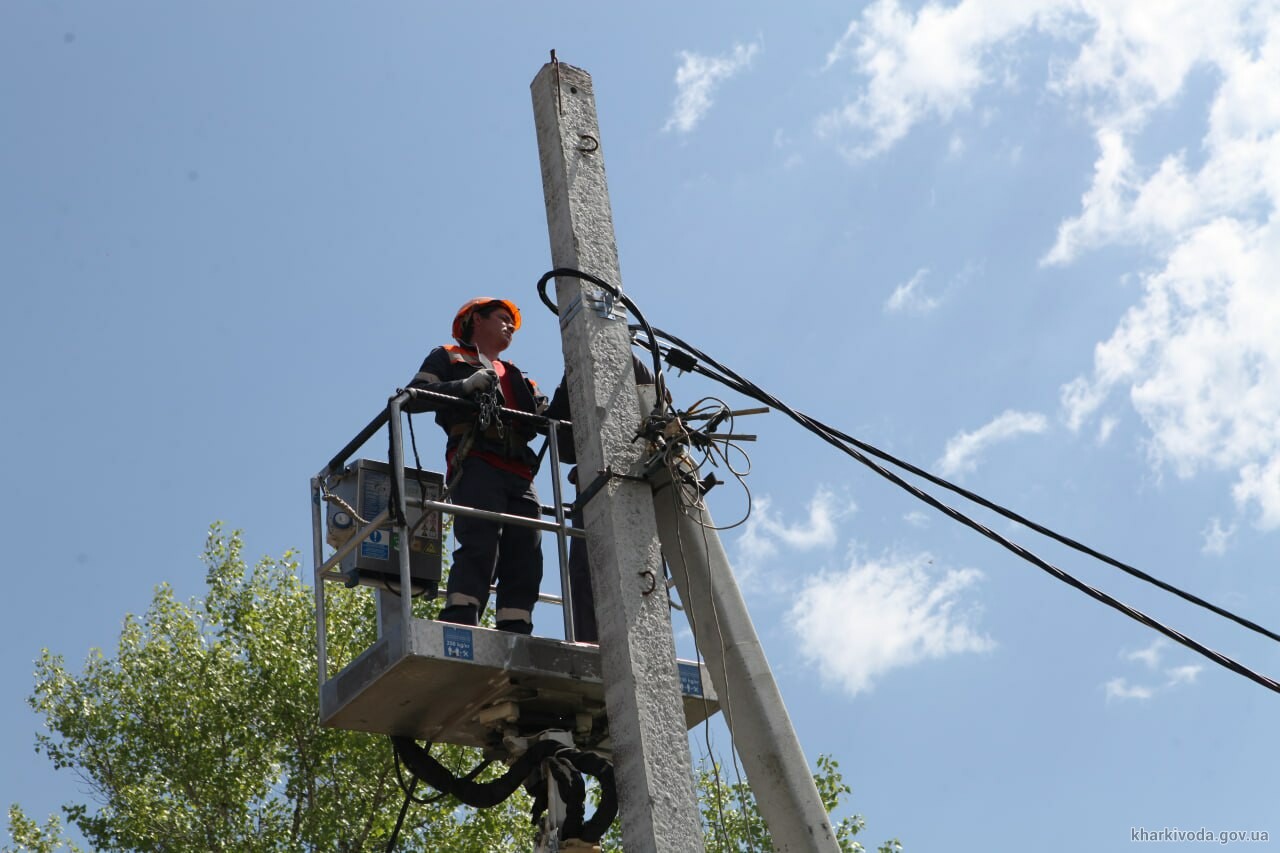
(457, 643)
(690, 679)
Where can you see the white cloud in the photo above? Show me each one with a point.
(783, 142)
(920, 66)
(697, 79)
(1217, 538)
(932, 64)
(1200, 359)
(1183, 674)
(910, 297)
(1119, 688)
(1106, 426)
(916, 518)
(1134, 61)
(879, 615)
(1123, 206)
(1105, 208)
(1260, 484)
(963, 450)
(1197, 355)
(1151, 658)
(766, 533)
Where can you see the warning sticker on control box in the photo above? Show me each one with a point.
(377, 546)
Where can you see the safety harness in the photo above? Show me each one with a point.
(486, 427)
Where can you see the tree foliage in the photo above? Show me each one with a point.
(201, 733)
(734, 822)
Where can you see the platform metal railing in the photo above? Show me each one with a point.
(397, 513)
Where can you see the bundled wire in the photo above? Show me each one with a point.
(686, 357)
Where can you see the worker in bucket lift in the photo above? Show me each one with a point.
(490, 466)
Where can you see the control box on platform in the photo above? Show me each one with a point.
(365, 486)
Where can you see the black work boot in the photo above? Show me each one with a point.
(515, 626)
(460, 614)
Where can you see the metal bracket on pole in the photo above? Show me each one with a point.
(602, 303)
(602, 479)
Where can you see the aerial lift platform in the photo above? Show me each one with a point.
(436, 681)
(472, 686)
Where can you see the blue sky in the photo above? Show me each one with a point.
(1029, 245)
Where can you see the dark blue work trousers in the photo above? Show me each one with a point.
(489, 551)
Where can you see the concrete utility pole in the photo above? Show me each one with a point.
(749, 697)
(657, 801)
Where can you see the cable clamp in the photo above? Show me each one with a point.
(681, 360)
(605, 305)
(602, 303)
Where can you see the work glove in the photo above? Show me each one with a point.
(481, 380)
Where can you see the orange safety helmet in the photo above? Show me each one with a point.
(472, 305)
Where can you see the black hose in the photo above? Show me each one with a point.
(593, 765)
(481, 795)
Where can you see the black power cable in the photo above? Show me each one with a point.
(838, 440)
(854, 448)
(749, 389)
(404, 808)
